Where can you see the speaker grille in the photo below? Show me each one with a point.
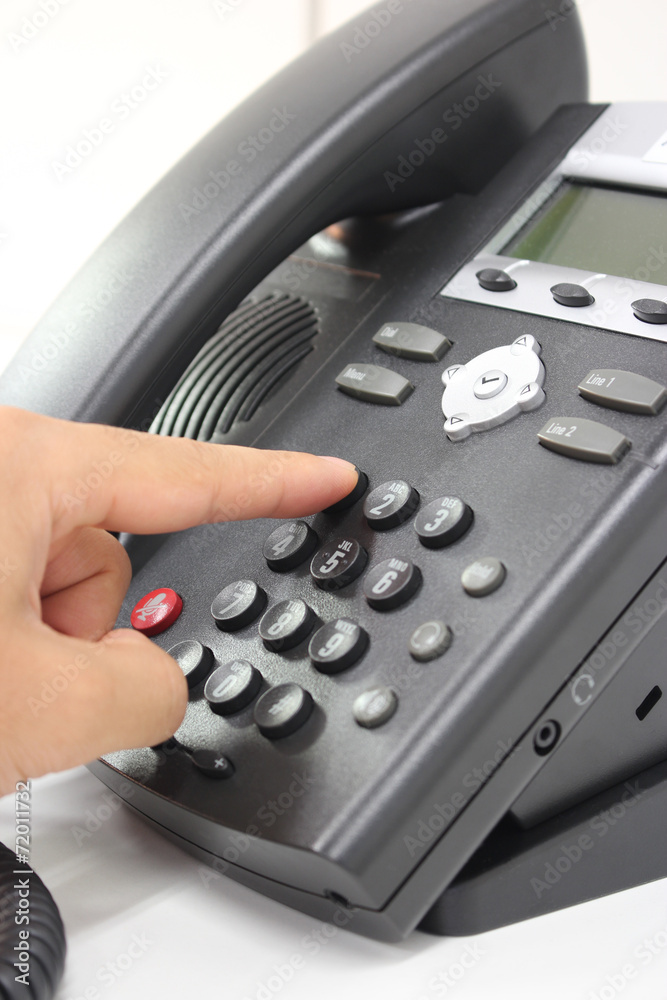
(236, 369)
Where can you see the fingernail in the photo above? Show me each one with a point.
(340, 461)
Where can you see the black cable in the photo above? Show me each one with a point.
(32, 936)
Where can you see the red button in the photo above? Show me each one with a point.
(156, 611)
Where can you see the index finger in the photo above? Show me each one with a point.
(126, 480)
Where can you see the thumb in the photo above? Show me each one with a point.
(85, 699)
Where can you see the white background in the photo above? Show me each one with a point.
(123, 880)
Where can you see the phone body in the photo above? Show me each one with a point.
(366, 823)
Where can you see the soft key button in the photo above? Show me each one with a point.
(410, 340)
(374, 384)
(583, 439)
(620, 390)
(492, 388)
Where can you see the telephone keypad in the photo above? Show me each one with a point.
(237, 605)
(282, 710)
(286, 624)
(337, 645)
(429, 640)
(391, 583)
(352, 497)
(390, 504)
(338, 563)
(289, 545)
(483, 576)
(194, 659)
(156, 611)
(375, 707)
(212, 763)
(443, 521)
(232, 686)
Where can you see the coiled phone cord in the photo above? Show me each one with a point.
(32, 936)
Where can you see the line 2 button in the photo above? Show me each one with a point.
(583, 439)
(374, 384)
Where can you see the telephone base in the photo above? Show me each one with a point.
(611, 842)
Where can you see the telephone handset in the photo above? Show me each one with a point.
(393, 702)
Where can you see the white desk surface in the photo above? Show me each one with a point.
(125, 887)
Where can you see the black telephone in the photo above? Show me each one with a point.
(403, 707)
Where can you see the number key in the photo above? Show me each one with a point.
(286, 624)
(337, 645)
(238, 605)
(390, 504)
(338, 563)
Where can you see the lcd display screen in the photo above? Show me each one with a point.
(606, 230)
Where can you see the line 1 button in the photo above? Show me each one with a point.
(583, 439)
(621, 390)
(374, 384)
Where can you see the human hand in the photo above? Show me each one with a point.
(63, 577)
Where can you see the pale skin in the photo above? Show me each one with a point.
(64, 487)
